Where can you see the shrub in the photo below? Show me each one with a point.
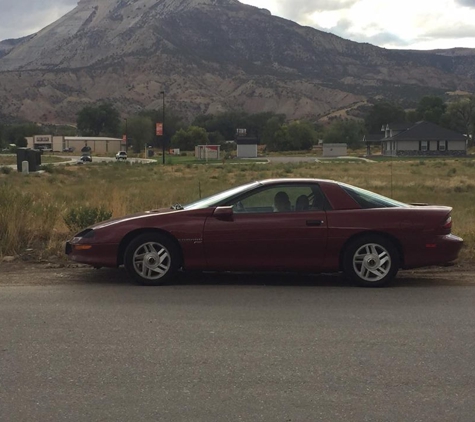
(82, 217)
(47, 168)
(23, 220)
(6, 170)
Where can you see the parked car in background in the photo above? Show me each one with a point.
(121, 155)
(85, 159)
(301, 225)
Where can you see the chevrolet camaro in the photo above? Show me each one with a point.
(292, 225)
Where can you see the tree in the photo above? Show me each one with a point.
(280, 140)
(302, 135)
(295, 136)
(187, 139)
(270, 128)
(16, 133)
(173, 123)
(382, 114)
(96, 121)
(226, 123)
(21, 142)
(3, 141)
(431, 109)
(411, 116)
(345, 131)
(140, 132)
(462, 116)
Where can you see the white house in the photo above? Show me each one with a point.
(422, 139)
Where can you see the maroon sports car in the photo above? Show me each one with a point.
(301, 225)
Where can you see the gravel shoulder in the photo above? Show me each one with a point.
(44, 274)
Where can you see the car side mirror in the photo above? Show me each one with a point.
(224, 213)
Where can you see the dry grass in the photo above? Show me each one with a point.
(8, 160)
(31, 208)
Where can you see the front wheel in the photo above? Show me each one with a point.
(152, 259)
(371, 261)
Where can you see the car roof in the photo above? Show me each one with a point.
(294, 180)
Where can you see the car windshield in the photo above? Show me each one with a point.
(368, 199)
(219, 197)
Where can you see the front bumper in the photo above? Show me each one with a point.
(99, 255)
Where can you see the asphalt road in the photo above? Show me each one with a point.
(85, 345)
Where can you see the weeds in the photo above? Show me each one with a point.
(82, 217)
(24, 220)
(32, 208)
(452, 172)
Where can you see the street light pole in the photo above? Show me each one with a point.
(126, 140)
(163, 123)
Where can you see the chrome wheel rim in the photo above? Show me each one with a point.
(372, 262)
(151, 260)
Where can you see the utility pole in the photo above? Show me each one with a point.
(126, 135)
(163, 123)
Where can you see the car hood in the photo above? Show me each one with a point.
(131, 217)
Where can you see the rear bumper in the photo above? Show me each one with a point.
(440, 250)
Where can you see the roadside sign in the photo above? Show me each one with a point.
(159, 129)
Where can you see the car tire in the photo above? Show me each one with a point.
(152, 259)
(371, 261)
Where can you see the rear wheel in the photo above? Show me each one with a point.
(371, 261)
(152, 259)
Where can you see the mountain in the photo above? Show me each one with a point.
(208, 56)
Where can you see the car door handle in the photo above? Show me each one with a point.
(314, 222)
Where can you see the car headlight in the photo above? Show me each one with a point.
(85, 234)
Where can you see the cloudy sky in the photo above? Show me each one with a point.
(418, 24)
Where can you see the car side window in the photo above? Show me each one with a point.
(283, 198)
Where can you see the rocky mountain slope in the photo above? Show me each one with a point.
(208, 56)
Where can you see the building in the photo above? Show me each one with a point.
(98, 145)
(422, 139)
(48, 142)
(246, 144)
(335, 150)
(207, 152)
(372, 140)
(246, 147)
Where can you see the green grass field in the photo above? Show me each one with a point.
(32, 207)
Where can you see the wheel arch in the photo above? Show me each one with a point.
(394, 240)
(133, 234)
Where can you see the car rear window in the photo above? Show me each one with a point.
(367, 199)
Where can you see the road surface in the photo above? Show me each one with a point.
(78, 344)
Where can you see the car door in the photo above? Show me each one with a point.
(259, 236)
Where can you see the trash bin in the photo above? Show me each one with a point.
(21, 155)
(34, 159)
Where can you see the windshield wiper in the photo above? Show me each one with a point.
(177, 207)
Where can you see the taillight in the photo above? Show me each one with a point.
(447, 223)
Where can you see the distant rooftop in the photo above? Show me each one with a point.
(427, 131)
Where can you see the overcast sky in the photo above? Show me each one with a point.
(418, 24)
